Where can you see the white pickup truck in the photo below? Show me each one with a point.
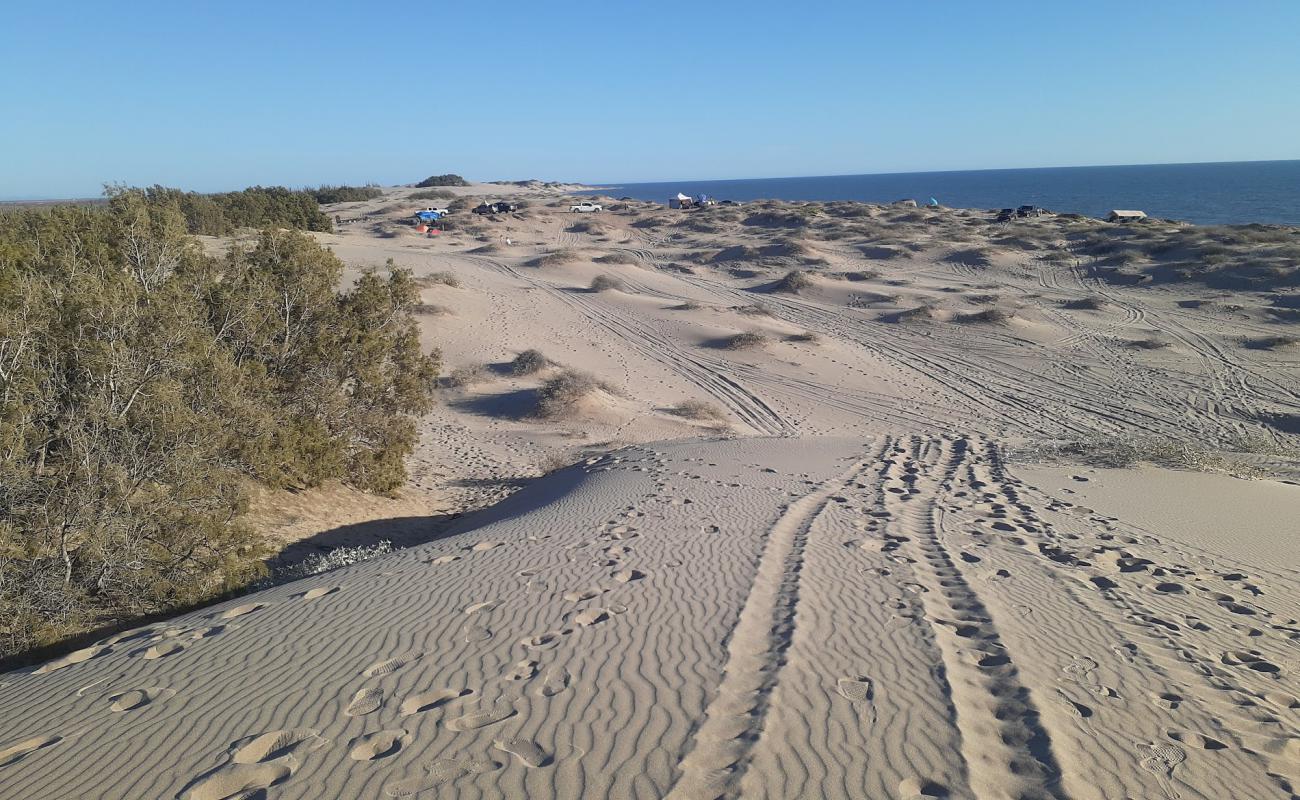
(586, 207)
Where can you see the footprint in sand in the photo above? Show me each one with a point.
(276, 744)
(919, 789)
(629, 575)
(856, 689)
(481, 719)
(240, 780)
(554, 681)
(485, 606)
(364, 702)
(239, 611)
(1160, 760)
(440, 773)
(526, 750)
(377, 745)
(475, 632)
(17, 752)
(318, 592)
(138, 698)
(522, 671)
(581, 595)
(163, 650)
(441, 560)
(427, 701)
(391, 665)
(75, 657)
(543, 641)
(481, 546)
(591, 616)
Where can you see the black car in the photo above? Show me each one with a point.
(495, 208)
(1006, 215)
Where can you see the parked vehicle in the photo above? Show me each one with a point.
(729, 203)
(1006, 215)
(495, 208)
(585, 207)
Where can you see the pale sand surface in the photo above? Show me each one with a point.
(850, 588)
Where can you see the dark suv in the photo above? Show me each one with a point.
(495, 208)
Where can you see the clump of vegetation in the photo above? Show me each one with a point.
(559, 396)
(794, 282)
(860, 275)
(431, 310)
(1129, 452)
(745, 341)
(689, 305)
(222, 213)
(529, 362)
(1271, 342)
(432, 194)
(1090, 303)
(605, 282)
(615, 258)
(442, 278)
(345, 194)
(555, 258)
(144, 384)
(466, 375)
(988, 315)
(807, 337)
(699, 410)
(449, 179)
(754, 310)
(1147, 344)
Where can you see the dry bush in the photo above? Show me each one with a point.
(981, 299)
(920, 313)
(1270, 342)
(466, 376)
(754, 310)
(859, 275)
(794, 282)
(605, 282)
(1147, 344)
(555, 258)
(745, 341)
(866, 299)
(807, 336)
(988, 315)
(1129, 452)
(689, 305)
(1090, 303)
(560, 395)
(700, 410)
(438, 279)
(615, 258)
(529, 362)
(432, 310)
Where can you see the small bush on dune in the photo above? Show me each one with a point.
(344, 194)
(745, 341)
(438, 279)
(794, 282)
(604, 283)
(858, 276)
(698, 410)
(1091, 303)
(560, 395)
(1271, 342)
(467, 375)
(555, 258)
(529, 362)
(807, 337)
(689, 305)
(754, 310)
(431, 310)
(449, 179)
(1147, 344)
(615, 258)
(991, 315)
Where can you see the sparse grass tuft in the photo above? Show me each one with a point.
(754, 310)
(745, 341)
(604, 283)
(555, 258)
(560, 395)
(529, 362)
(1270, 342)
(700, 410)
(794, 282)
(431, 310)
(1090, 303)
(988, 315)
(466, 376)
(1147, 344)
(438, 279)
(689, 305)
(807, 336)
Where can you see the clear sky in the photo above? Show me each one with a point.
(220, 95)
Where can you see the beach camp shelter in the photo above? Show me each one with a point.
(428, 216)
(1119, 215)
(680, 201)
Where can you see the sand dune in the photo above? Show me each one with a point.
(875, 580)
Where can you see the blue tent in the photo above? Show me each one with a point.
(428, 216)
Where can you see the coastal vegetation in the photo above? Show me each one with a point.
(223, 213)
(145, 386)
(345, 194)
(450, 179)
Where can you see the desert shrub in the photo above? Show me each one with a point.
(431, 310)
(988, 315)
(1147, 344)
(555, 258)
(222, 213)
(145, 383)
(432, 194)
(449, 179)
(466, 375)
(344, 194)
(700, 410)
(689, 305)
(1090, 303)
(1131, 451)
(615, 258)
(859, 275)
(442, 278)
(529, 362)
(807, 337)
(794, 282)
(559, 395)
(605, 282)
(754, 310)
(1270, 342)
(745, 341)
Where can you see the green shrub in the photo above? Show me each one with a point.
(442, 180)
(345, 194)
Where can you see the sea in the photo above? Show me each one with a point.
(1235, 192)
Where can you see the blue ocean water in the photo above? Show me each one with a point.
(1229, 192)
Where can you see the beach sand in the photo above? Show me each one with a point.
(850, 570)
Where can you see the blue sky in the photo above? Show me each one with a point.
(220, 95)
